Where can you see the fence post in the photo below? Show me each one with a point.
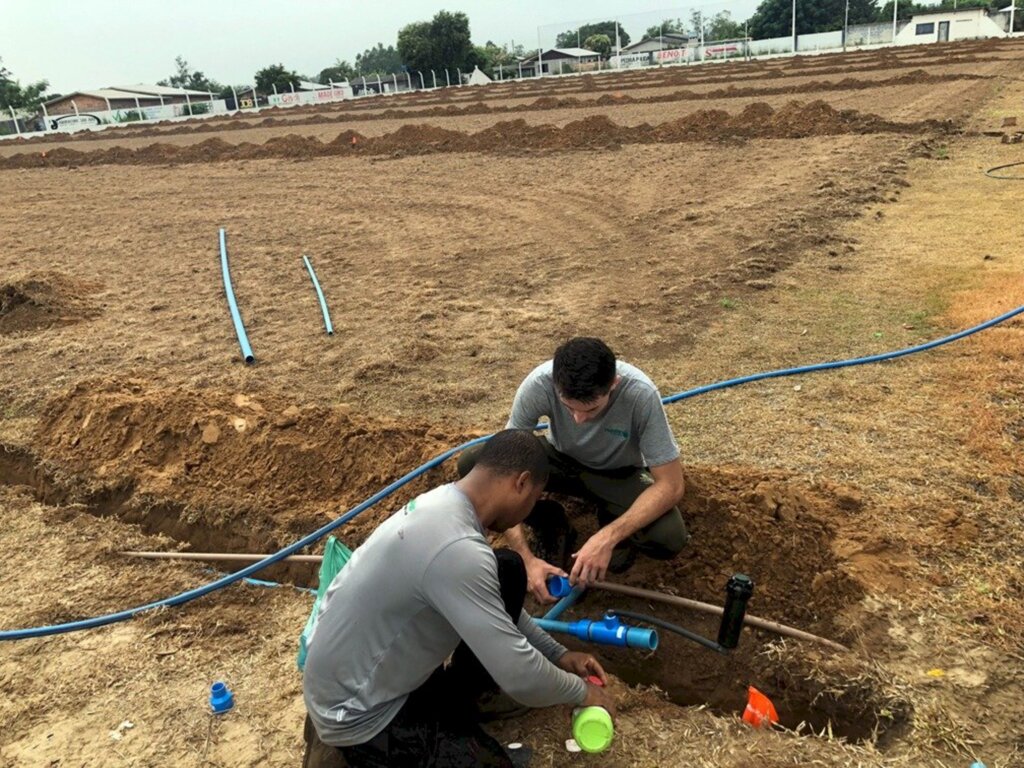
(394, 77)
(380, 86)
(422, 86)
(188, 104)
(434, 75)
(75, 106)
(138, 109)
(14, 117)
(459, 72)
(46, 117)
(235, 94)
(447, 78)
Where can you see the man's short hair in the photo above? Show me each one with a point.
(584, 369)
(513, 451)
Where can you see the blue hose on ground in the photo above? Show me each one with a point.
(320, 295)
(213, 586)
(192, 594)
(236, 317)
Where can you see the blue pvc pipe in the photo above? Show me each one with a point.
(192, 594)
(607, 631)
(213, 586)
(562, 605)
(320, 295)
(243, 340)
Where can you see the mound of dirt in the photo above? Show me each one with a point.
(44, 300)
(230, 462)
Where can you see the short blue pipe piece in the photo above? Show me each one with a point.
(562, 605)
(236, 317)
(607, 631)
(320, 295)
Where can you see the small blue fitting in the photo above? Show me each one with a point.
(558, 586)
(221, 699)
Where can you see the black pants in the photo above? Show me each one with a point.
(438, 726)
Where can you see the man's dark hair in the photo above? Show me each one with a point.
(584, 369)
(512, 451)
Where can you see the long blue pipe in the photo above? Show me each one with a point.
(192, 594)
(562, 605)
(607, 631)
(320, 295)
(184, 597)
(236, 317)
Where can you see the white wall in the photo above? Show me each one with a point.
(323, 96)
(963, 25)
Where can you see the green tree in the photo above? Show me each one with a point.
(276, 76)
(569, 38)
(774, 18)
(340, 70)
(492, 55)
(186, 77)
(13, 94)
(379, 60)
(722, 27)
(441, 43)
(668, 26)
(599, 44)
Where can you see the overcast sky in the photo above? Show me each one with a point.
(84, 44)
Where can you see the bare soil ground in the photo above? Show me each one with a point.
(879, 506)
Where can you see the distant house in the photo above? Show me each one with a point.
(942, 26)
(666, 42)
(122, 97)
(554, 61)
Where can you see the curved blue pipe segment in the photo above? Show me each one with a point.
(562, 605)
(192, 594)
(213, 586)
(607, 631)
(243, 340)
(841, 363)
(320, 295)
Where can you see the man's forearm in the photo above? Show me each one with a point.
(516, 539)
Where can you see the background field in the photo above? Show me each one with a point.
(707, 222)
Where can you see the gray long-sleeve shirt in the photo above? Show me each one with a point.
(425, 579)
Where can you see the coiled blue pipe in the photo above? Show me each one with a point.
(607, 631)
(243, 340)
(192, 594)
(320, 295)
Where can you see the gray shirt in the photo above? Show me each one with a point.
(422, 581)
(632, 432)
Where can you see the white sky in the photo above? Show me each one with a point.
(82, 44)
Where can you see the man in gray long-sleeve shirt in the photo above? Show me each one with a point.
(426, 584)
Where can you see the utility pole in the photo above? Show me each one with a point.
(846, 23)
(794, 26)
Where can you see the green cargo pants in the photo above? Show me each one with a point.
(613, 492)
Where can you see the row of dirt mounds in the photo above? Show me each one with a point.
(476, 100)
(793, 120)
(40, 300)
(545, 103)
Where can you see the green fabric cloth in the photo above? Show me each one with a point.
(336, 555)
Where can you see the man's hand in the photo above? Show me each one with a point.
(592, 560)
(598, 696)
(537, 572)
(582, 664)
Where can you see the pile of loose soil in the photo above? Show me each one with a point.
(44, 300)
(227, 465)
(794, 120)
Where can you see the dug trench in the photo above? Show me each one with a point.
(216, 471)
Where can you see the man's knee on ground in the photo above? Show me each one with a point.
(666, 538)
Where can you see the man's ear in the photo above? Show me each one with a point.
(523, 481)
(614, 383)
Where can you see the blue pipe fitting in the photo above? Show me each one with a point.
(558, 586)
(221, 699)
(607, 631)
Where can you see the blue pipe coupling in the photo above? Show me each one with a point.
(607, 631)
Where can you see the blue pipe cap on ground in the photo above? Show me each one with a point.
(221, 699)
(611, 631)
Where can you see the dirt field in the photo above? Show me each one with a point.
(708, 222)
